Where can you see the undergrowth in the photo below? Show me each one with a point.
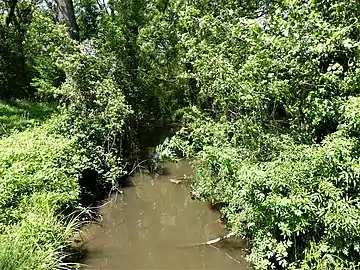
(39, 172)
(297, 204)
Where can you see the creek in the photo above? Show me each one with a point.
(156, 225)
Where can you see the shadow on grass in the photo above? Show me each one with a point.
(20, 114)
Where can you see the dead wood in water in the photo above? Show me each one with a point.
(227, 254)
(211, 242)
(181, 179)
(214, 241)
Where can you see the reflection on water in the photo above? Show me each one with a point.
(154, 226)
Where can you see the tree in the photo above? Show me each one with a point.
(64, 13)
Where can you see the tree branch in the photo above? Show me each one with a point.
(211, 242)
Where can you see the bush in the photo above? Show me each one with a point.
(275, 127)
(96, 114)
(297, 204)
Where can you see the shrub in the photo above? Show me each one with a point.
(96, 114)
(275, 130)
(297, 204)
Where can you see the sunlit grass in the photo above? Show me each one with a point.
(39, 242)
(39, 171)
(20, 114)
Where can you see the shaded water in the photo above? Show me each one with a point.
(154, 226)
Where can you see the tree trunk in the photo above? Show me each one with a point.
(9, 17)
(64, 13)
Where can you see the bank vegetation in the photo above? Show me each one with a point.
(267, 93)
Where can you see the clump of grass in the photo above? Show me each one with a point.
(40, 241)
(14, 254)
(20, 114)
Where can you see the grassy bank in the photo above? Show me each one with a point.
(39, 171)
(20, 114)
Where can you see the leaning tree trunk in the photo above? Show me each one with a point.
(64, 13)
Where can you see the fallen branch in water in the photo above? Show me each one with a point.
(136, 166)
(211, 242)
(227, 254)
(180, 179)
(231, 234)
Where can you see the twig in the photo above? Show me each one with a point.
(135, 167)
(231, 234)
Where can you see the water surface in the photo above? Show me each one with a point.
(155, 225)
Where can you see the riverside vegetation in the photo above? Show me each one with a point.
(267, 93)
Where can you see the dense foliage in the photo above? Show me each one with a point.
(267, 93)
(274, 127)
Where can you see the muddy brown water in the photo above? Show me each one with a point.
(155, 225)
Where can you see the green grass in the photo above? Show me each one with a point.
(20, 114)
(23, 246)
(39, 171)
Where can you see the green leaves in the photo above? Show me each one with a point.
(306, 194)
(39, 171)
(96, 113)
(275, 132)
(267, 91)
